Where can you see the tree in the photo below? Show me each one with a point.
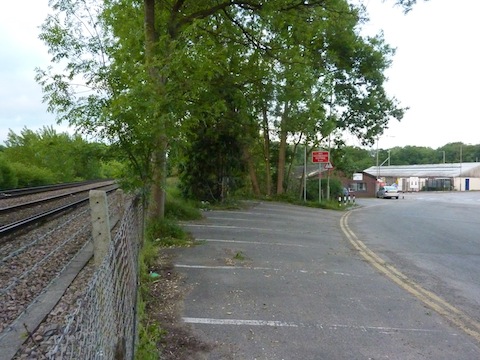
(350, 159)
(67, 158)
(142, 67)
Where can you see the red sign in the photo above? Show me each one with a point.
(320, 157)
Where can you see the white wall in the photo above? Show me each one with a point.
(459, 183)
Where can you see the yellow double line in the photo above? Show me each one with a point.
(457, 317)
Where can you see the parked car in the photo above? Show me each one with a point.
(388, 192)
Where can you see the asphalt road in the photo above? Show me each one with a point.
(433, 238)
(278, 281)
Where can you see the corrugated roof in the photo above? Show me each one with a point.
(450, 170)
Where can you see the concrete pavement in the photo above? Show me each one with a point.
(277, 281)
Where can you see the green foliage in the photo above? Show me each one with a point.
(336, 188)
(8, 177)
(176, 209)
(112, 169)
(349, 159)
(274, 67)
(167, 233)
(47, 156)
(213, 165)
(456, 152)
(239, 255)
(330, 204)
(150, 332)
(409, 155)
(31, 175)
(162, 233)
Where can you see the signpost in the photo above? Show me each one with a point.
(321, 157)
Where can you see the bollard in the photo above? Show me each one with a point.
(340, 201)
(349, 199)
(353, 199)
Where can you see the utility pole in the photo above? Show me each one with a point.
(460, 175)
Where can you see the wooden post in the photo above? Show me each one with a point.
(100, 225)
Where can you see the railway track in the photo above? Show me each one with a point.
(18, 216)
(45, 188)
(41, 234)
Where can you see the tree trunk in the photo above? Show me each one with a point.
(282, 150)
(156, 205)
(266, 151)
(290, 165)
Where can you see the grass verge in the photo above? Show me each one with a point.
(157, 282)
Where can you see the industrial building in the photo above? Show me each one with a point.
(427, 177)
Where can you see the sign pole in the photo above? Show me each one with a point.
(319, 183)
(328, 172)
(305, 174)
(320, 157)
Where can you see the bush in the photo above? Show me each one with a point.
(336, 189)
(166, 232)
(181, 210)
(30, 175)
(8, 177)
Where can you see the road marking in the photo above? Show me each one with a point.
(231, 227)
(233, 267)
(251, 242)
(239, 322)
(221, 218)
(456, 316)
(224, 267)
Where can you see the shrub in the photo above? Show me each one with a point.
(8, 178)
(181, 210)
(166, 232)
(30, 175)
(336, 188)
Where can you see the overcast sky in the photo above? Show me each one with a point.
(435, 71)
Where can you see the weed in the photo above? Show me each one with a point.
(239, 256)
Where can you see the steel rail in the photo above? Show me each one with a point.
(17, 225)
(8, 209)
(44, 188)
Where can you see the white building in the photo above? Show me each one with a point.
(453, 176)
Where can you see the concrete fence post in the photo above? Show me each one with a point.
(100, 225)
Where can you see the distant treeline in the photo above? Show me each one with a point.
(45, 157)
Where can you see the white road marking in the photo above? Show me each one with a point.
(239, 322)
(251, 242)
(224, 267)
(233, 267)
(232, 227)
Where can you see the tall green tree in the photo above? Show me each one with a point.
(128, 70)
